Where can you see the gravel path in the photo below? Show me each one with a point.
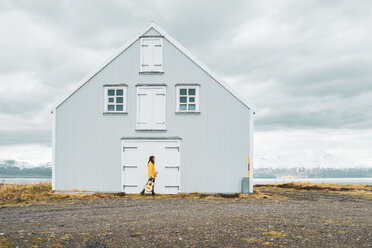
(304, 219)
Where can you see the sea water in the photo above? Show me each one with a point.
(256, 181)
(24, 180)
(260, 181)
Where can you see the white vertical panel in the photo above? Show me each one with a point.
(146, 55)
(144, 107)
(158, 113)
(157, 55)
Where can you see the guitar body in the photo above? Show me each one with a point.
(149, 186)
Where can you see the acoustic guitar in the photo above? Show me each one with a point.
(149, 186)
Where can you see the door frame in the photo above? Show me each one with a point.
(150, 139)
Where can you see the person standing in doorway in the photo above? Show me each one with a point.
(152, 173)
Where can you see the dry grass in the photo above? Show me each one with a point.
(363, 190)
(329, 187)
(5, 242)
(19, 194)
(275, 235)
(257, 242)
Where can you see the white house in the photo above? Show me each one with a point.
(152, 97)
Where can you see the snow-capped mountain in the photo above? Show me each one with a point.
(318, 164)
(309, 160)
(21, 164)
(14, 168)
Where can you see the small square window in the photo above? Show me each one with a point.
(119, 107)
(191, 106)
(192, 92)
(119, 100)
(110, 107)
(115, 97)
(187, 98)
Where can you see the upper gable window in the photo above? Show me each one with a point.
(115, 99)
(187, 98)
(151, 54)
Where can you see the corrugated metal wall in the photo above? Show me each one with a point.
(215, 143)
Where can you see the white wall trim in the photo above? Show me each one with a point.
(134, 38)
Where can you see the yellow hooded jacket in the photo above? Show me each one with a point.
(151, 170)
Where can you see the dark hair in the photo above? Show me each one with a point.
(151, 158)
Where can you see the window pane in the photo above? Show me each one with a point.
(110, 107)
(119, 107)
(192, 92)
(119, 92)
(191, 99)
(111, 99)
(191, 106)
(119, 100)
(183, 99)
(183, 106)
(183, 92)
(111, 92)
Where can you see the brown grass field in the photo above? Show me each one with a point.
(18, 194)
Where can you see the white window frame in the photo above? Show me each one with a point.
(151, 67)
(106, 99)
(196, 87)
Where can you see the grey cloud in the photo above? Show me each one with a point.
(303, 64)
(20, 137)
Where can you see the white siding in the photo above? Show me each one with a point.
(215, 143)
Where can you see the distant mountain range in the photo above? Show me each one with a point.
(317, 164)
(301, 172)
(13, 168)
(267, 165)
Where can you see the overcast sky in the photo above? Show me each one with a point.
(306, 65)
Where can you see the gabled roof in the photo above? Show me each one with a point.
(171, 40)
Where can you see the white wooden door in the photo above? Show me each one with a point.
(135, 156)
(151, 108)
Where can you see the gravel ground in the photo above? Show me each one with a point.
(303, 219)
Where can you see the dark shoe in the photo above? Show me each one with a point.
(142, 192)
(152, 193)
